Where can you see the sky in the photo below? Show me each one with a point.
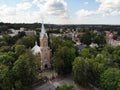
(60, 11)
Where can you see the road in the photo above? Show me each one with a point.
(51, 85)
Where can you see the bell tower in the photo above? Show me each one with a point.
(45, 49)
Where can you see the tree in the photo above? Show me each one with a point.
(7, 60)
(27, 41)
(88, 52)
(62, 60)
(99, 39)
(59, 42)
(7, 38)
(5, 49)
(109, 49)
(110, 79)
(18, 73)
(80, 71)
(24, 71)
(86, 38)
(20, 49)
(65, 87)
(87, 71)
(3, 73)
(3, 43)
(16, 37)
(116, 55)
(56, 43)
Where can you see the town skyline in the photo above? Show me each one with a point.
(61, 11)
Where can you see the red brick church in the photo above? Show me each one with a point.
(44, 50)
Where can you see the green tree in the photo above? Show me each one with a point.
(24, 71)
(3, 73)
(62, 60)
(56, 43)
(86, 38)
(7, 60)
(88, 52)
(60, 42)
(110, 79)
(116, 56)
(80, 71)
(6, 38)
(27, 41)
(20, 49)
(99, 39)
(65, 87)
(5, 49)
(87, 71)
(3, 43)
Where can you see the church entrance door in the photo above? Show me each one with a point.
(46, 66)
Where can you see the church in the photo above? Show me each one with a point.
(43, 50)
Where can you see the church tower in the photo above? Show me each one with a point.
(45, 53)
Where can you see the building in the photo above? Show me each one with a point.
(93, 45)
(110, 40)
(80, 47)
(15, 32)
(30, 32)
(44, 50)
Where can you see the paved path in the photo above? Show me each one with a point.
(51, 85)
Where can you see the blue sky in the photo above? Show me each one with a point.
(61, 11)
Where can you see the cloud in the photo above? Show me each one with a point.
(56, 8)
(107, 7)
(85, 13)
(22, 17)
(57, 11)
(52, 10)
(23, 6)
(18, 13)
(114, 13)
(5, 10)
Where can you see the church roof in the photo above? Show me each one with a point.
(36, 49)
(43, 32)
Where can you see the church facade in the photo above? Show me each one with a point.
(44, 50)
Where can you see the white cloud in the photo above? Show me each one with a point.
(107, 7)
(86, 3)
(22, 17)
(85, 13)
(23, 6)
(56, 11)
(18, 13)
(56, 8)
(5, 10)
(114, 13)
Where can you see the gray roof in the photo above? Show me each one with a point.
(43, 32)
(36, 49)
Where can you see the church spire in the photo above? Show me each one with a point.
(43, 31)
